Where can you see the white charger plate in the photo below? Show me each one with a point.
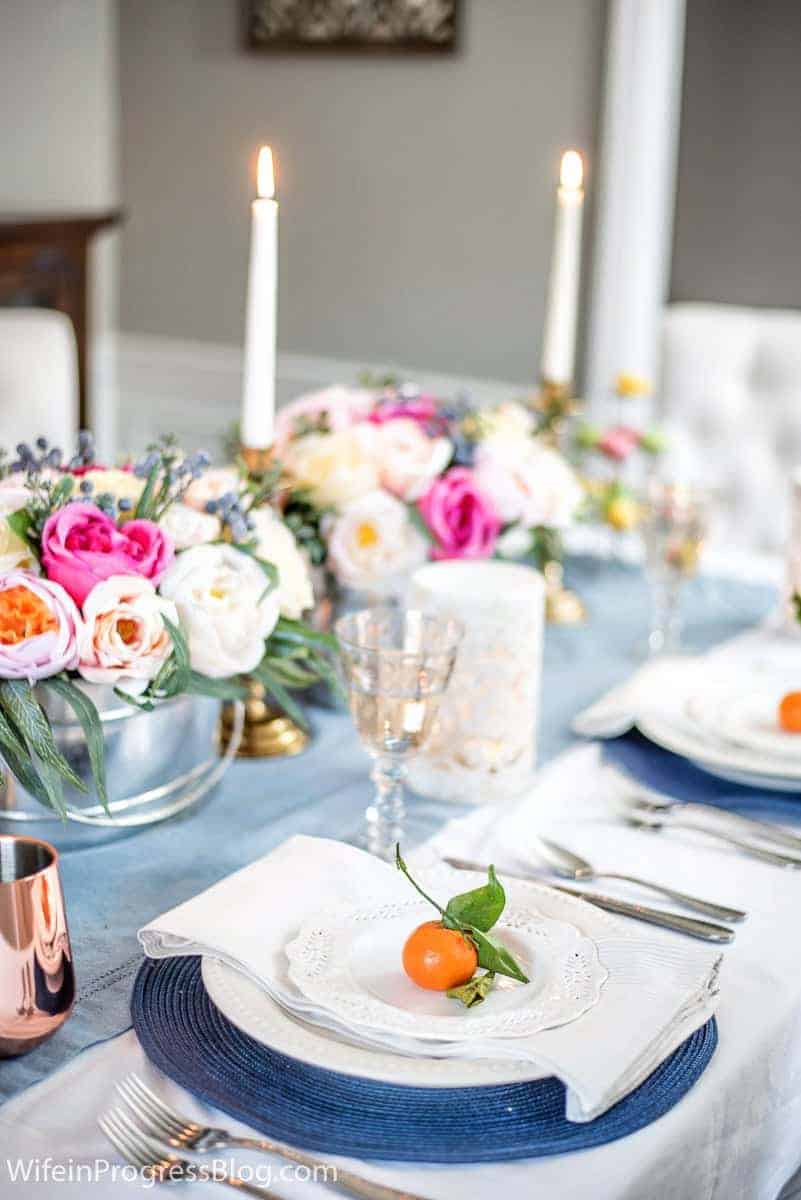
(347, 961)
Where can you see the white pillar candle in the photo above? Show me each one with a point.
(559, 342)
(258, 394)
(483, 744)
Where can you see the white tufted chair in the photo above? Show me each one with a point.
(38, 377)
(730, 399)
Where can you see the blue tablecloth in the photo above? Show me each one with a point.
(112, 890)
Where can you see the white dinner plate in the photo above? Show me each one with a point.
(749, 720)
(669, 728)
(250, 1008)
(347, 962)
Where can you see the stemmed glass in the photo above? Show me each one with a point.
(396, 664)
(674, 528)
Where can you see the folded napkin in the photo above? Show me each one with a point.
(659, 990)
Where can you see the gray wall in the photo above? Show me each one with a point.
(417, 193)
(738, 217)
(58, 117)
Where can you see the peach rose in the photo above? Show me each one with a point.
(123, 638)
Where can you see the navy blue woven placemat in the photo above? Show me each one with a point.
(190, 1040)
(677, 777)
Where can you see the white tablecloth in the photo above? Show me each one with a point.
(735, 1136)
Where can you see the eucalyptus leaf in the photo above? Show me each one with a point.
(19, 761)
(475, 991)
(20, 704)
(181, 672)
(89, 721)
(480, 907)
(275, 688)
(217, 689)
(296, 631)
(494, 956)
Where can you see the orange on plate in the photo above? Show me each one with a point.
(790, 712)
(438, 958)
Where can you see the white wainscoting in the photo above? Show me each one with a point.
(149, 385)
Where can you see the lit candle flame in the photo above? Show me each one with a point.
(265, 175)
(571, 174)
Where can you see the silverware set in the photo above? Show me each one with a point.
(651, 811)
(147, 1133)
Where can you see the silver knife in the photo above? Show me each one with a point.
(705, 931)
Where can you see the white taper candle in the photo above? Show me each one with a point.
(559, 341)
(258, 393)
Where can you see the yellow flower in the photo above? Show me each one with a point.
(14, 553)
(628, 385)
(623, 513)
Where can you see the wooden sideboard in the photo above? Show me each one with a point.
(43, 264)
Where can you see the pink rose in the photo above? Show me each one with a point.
(82, 546)
(461, 518)
(619, 442)
(39, 627)
(422, 409)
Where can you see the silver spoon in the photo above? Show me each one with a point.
(570, 865)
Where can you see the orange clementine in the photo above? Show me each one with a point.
(438, 958)
(790, 712)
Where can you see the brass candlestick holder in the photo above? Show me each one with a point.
(268, 731)
(553, 405)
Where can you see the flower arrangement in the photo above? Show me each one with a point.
(604, 454)
(159, 578)
(383, 477)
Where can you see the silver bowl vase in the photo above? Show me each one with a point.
(157, 763)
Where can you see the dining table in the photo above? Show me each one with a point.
(736, 1133)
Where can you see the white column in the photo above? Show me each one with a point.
(637, 186)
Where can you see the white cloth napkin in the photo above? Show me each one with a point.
(660, 987)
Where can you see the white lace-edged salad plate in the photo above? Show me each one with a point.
(347, 961)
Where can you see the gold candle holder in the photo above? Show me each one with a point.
(268, 731)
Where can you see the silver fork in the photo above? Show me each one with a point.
(570, 865)
(154, 1163)
(154, 1117)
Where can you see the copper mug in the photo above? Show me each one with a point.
(37, 980)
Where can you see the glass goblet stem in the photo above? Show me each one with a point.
(666, 623)
(385, 815)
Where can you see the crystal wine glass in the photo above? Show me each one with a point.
(674, 528)
(396, 664)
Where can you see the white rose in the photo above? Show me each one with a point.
(276, 544)
(123, 637)
(211, 485)
(335, 467)
(408, 460)
(373, 542)
(189, 526)
(527, 482)
(508, 420)
(219, 592)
